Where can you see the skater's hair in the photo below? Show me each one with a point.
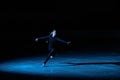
(53, 30)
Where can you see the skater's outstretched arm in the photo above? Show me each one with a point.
(58, 39)
(44, 37)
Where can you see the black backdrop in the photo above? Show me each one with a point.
(90, 25)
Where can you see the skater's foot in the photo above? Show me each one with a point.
(51, 57)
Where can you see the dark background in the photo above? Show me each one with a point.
(90, 25)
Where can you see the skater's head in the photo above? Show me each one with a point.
(53, 33)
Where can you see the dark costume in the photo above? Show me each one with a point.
(51, 41)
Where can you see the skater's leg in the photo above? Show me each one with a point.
(53, 53)
(50, 54)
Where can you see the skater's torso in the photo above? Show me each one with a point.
(51, 42)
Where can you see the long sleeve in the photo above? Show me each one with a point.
(58, 39)
(44, 37)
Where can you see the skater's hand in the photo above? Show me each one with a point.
(36, 39)
(46, 41)
(68, 42)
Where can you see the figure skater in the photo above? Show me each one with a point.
(51, 39)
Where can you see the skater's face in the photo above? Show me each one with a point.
(53, 33)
